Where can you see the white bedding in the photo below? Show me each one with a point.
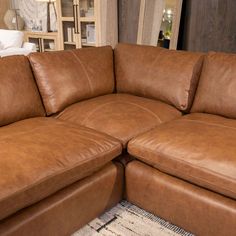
(14, 51)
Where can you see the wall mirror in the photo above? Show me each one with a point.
(159, 22)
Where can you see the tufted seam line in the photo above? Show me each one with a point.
(85, 71)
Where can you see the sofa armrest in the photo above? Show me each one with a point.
(29, 46)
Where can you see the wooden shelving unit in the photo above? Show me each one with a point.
(87, 23)
(45, 42)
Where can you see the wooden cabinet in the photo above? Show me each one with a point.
(44, 42)
(87, 23)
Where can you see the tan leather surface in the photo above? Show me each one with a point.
(195, 209)
(166, 75)
(69, 209)
(199, 148)
(19, 96)
(122, 116)
(66, 77)
(39, 156)
(216, 91)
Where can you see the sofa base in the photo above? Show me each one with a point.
(188, 206)
(71, 208)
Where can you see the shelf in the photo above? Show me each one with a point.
(87, 19)
(40, 33)
(89, 44)
(70, 43)
(70, 19)
(49, 50)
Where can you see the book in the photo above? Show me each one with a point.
(69, 34)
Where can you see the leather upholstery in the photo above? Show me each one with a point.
(54, 168)
(66, 77)
(40, 156)
(19, 97)
(166, 75)
(199, 148)
(70, 208)
(193, 208)
(122, 116)
(216, 91)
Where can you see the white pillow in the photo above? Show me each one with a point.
(1, 46)
(14, 51)
(11, 38)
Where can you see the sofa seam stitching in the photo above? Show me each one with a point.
(85, 71)
(102, 105)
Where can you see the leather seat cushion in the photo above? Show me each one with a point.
(40, 156)
(122, 116)
(199, 148)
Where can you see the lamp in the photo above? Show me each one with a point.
(49, 4)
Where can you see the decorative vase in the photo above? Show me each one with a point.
(13, 21)
(8, 19)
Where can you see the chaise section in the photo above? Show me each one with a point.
(69, 209)
(199, 148)
(40, 156)
(19, 96)
(121, 116)
(166, 75)
(193, 208)
(67, 77)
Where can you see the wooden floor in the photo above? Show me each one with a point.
(128, 220)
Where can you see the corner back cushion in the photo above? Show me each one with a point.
(11, 38)
(19, 96)
(66, 77)
(153, 72)
(216, 93)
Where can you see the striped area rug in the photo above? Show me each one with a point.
(126, 219)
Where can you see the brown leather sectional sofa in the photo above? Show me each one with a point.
(82, 129)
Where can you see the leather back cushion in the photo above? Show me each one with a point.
(166, 75)
(216, 93)
(19, 96)
(66, 77)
